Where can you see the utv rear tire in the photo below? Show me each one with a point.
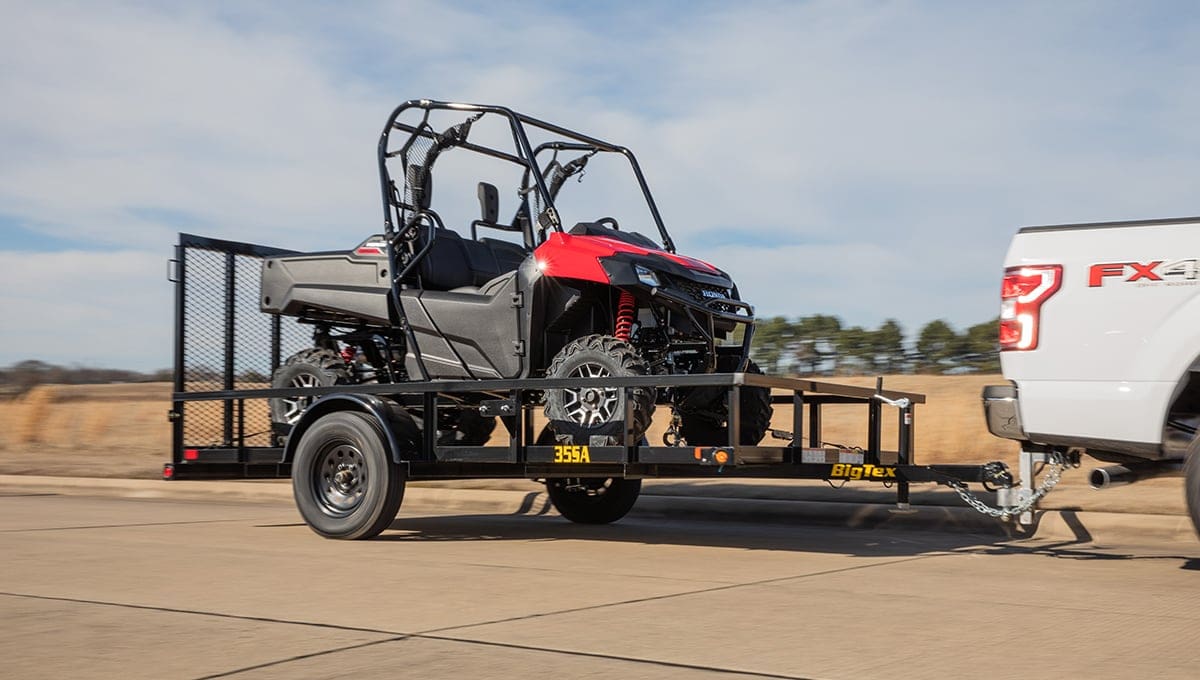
(594, 415)
(708, 426)
(343, 477)
(593, 500)
(307, 368)
(1191, 482)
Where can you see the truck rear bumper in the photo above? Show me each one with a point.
(1002, 413)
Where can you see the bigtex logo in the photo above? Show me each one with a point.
(868, 471)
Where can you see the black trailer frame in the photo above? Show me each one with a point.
(220, 428)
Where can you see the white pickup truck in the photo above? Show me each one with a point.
(1100, 343)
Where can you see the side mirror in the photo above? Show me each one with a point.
(489, 203)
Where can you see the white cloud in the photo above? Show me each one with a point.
(899, 142)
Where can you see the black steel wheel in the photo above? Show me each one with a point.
(594, 415)
(343, 478)
(704, 415)
(593, 500)
(307, 368)
(1191, 482)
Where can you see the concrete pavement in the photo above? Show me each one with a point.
(159, 588)
(1152, 510)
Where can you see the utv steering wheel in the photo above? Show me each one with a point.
(609, 221)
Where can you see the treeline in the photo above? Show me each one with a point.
(808, 345)
(25, 374)
(821, 345)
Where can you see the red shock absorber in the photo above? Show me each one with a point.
(626, 309)
(349, 354)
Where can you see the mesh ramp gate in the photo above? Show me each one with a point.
(224, 342)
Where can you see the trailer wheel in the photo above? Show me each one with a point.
(703, 422)
(593, 500)
(1191, 482)
(594, 415)
(343, 478)
(307, 368)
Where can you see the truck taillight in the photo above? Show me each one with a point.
(1021, 296)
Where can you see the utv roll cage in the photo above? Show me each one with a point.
(401, 207)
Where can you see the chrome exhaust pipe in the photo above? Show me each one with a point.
(1118, 475)
(1110, 476)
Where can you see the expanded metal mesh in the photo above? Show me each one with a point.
(229, 344)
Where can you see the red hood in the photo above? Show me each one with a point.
(577, 257)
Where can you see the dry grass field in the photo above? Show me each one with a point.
(122, 430)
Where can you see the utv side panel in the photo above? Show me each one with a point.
(465, 334)
(335, 283)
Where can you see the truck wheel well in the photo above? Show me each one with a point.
(1183, 417)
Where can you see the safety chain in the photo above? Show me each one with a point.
(1057, 463)
(673, 437)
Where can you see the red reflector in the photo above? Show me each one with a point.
(191, 454)
(168, 471)
(1010, 332)
(368, 250)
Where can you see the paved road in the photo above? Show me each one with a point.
(120, 588)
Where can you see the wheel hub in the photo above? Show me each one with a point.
(294, 406)
(341, 478)
(591, 405)
(344, 479)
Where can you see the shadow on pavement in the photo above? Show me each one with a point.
(706, 533)
(1073, 550)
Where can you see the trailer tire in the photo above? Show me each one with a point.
(593, 500)
(594, 416)
(343, 478)
(1191, 482)
(313, 367)
(707, 426)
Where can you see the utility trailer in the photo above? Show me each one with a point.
(225, 348)
(355, 371)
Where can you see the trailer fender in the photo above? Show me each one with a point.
(400, 430)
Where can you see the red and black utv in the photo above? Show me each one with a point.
(516, 297)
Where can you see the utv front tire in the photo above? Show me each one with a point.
(593, 500)
(594, 415)
(706, 424)
(343, 477)
(307, 368)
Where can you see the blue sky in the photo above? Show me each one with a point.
(864, 159)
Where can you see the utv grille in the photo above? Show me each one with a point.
(705, 293)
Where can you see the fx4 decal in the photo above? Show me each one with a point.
(1179, 272)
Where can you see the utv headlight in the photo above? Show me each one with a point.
(645, 276)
